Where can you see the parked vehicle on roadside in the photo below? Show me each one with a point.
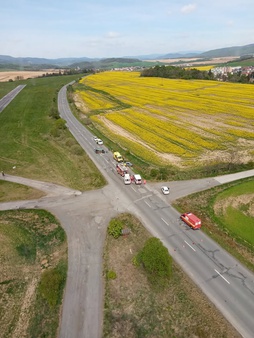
(127, 179)
(117, 156)
(137, 179)
(121, 169)
(193, 221)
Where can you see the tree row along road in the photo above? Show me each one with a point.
(85, 216)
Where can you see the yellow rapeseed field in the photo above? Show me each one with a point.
(177, 122)
(202, 68)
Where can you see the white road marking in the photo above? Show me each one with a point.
(222, 276)
(133, 189)
(190, 246)
(141, 198)
(164, 221)
(147, 204)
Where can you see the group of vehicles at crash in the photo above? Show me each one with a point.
(123, 169)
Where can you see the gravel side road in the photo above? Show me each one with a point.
(84, 217)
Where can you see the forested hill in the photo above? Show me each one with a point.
(172, 72)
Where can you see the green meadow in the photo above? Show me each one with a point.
(35, 144)
(235, 211)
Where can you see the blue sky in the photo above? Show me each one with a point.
(110, 28)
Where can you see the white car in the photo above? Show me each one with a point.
(165, 190)
(99, 141)
(95, 138)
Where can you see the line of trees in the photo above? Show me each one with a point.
(172, 72)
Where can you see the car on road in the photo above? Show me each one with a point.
(128, 164)
(99, 150)
(165, 190)
(99, 141)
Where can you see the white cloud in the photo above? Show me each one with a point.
(188, 8)
(112, 35)
(230, 23)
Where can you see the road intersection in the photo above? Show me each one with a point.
(85, 215)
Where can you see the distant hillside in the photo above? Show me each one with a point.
(180, 55)
(241, 62)
(230, 51)
(30, 63)
(111, 63)
(26, 62)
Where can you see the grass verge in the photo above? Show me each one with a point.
(33, 268)
(14, 192)
(37, 145)
(227, 216)
(135, 309)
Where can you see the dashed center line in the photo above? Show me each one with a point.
(190, 246)
(147, 204)
(164, 221)
(222, 276)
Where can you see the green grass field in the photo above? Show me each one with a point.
(32, 142)
(6, 87)
(237, 215)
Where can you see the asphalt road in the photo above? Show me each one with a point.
(84, 216)
(10, 96)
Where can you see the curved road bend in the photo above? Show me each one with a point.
(85, 216)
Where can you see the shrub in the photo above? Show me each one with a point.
(156, 261)
(54, 113)
(115, 228)
(111, 274)
(51, 285)
(60, 124)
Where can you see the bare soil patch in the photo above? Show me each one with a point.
(80, 104)
(134, 309)
(22, 75)
(220, 207)
(195, 61)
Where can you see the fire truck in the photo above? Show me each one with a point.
(121, 169)
(193, 221)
